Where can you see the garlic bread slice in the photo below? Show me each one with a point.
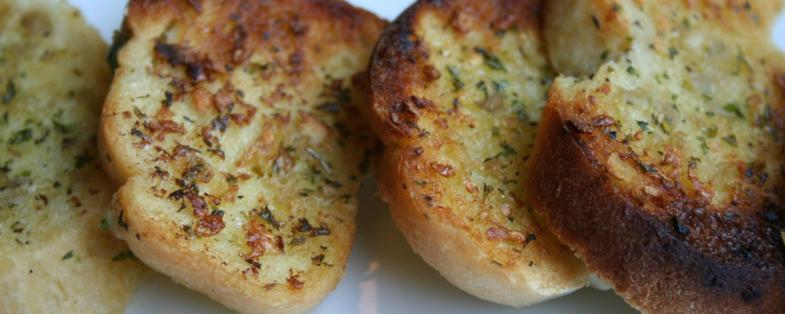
(233, 127)
(662, 166)
(56, 252)
(456, 89)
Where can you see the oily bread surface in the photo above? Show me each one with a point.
(56, 251)
(663, 169)
(457, 88)
(233, 128)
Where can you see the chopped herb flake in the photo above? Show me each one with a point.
(665, 125)
(484, 88)
(457, 83)
(61, 127)
(68, 255)
(267, 215)
(711, 132)
(500, 86)
(83, 159)
(123, 256)
(333, 183)
(647, 168)
(734, 109)
(491, 60)
(21, 136)
(704, 145)
(168, 98)
(520, 111)
(604, 55)
(731, 140)
(10, 92)
(673, 52)
(507, 150)
(104, 225)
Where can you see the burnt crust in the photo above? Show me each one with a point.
(400, 58)
(661, 263)
(274, 27)
(398, 48)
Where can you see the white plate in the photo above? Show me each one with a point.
(383, 275)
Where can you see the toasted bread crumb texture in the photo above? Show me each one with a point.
(56, 251)
(235, 125)
(686, 119)
(457, 90)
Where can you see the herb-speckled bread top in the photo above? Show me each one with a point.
(233, 127)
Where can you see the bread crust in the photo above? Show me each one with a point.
(654, 270)
(165, 252)
(422, 162)
(230, 125)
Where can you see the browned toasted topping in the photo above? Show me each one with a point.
(259, 240)
(210, 225)
(197, 68)
(295, 282)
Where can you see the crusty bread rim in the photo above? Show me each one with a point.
(589, 214)
(445, 245)
(153, 246)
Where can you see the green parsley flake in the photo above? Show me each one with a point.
(734, 109)
(491, 60)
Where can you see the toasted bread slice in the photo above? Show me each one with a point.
(457, 89)
(233, 128)
(664, 168)
(55, 250)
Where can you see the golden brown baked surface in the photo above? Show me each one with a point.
(663, 168)
(233, 128)
(456, 89)
(56, 251)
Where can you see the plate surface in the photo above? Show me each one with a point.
(383, 275)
